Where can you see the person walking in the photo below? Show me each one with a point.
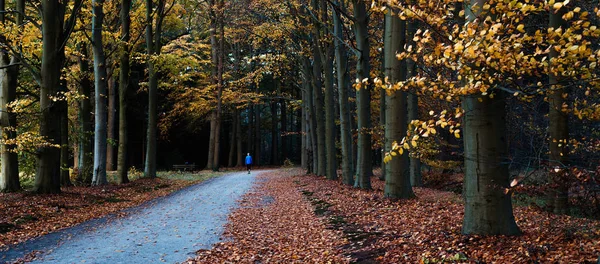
(248, 162)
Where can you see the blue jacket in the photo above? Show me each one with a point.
(248, 160)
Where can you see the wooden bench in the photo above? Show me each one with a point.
(184, 167)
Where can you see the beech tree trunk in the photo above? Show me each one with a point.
(232, 139)
(47, 178)
(238, 139)
(257, 139)
(286, 138)
(122, 167)
(111, 148)
(330, 115)
(363, 97)
(211, 141)
(65, 177)
(250, 130)
(214, 44)
(100, 131)
(558, 130)
(153, 46)
(488, 209)
(274, 133)
(343, 82)
(311, 119)
(397, 181)
(318, 108)
(303, 133)
(9, 174)
(86, 141)
(416, 179)
(220, 65)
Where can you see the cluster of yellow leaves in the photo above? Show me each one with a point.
(27, 141)
(497, 49)
(423, 129)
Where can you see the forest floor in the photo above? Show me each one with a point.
(26, 218)
(290, 217)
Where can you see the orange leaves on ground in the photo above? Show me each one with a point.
(24, 215)
(274, 224)
(428, 229)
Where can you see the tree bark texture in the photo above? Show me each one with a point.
(9, 174)
(397, 181)
(488, 209)
(153, 46)
(274, 134)
(122, 167)
(317, 84)
(100, 130)
(330, 116)
(47, 178)
(238, 139)
(416, 179)
(363, 97)
(86, 125)
(232, 140)
(558, 130)
(343, 82)
(111, 148)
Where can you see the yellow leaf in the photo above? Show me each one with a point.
(520, 28)
(557, 6)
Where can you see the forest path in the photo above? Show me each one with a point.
(165, 230)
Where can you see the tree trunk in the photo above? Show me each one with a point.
(331, 168)
(363, 97)
(122, 167)
(416, 179)
(100, 130)
(86, 142)
(311, 119)
(238, 139)
(343, 82)
(111, 148)
(211, 141)
(9, 175)
(310, 144)
(47, 178)
(250, 130)
(397, 181)
(274, 132)
(386, 40)
(285, 138)
(257, 139)
(318, 108)
(303, 133)
(558, 130)
(153, 46)
(65, 177)
(232, 139)
(214, 73)
(488, 209)
(220, 65)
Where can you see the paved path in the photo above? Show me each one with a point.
(165, 230)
